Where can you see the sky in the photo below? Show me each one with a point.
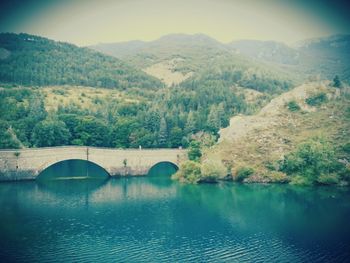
(87, 22)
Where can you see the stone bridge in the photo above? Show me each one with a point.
(27, 164)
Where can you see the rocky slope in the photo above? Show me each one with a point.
(259, 141)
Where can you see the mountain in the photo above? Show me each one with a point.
(336, 45)
(119, 50)
(270, 51)
(188, 59)
(33, 60)
(164, 46)
(328, 56)
(325, 57)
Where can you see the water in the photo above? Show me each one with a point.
(152, 219)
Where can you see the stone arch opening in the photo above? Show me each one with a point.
(163, 169)
(72, 169)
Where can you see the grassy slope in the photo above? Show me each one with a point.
(255, 141)
(82, 97)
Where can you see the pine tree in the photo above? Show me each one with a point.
(214, 122)
(163, 134)
(336, 82)
(190, 126)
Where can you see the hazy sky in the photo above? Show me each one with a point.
(86, 22)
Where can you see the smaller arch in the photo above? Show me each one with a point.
(71, 166)
(163, 168)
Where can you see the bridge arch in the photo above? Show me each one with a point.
(166, 167)
(41, 171)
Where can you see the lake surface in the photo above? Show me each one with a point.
(153, 219)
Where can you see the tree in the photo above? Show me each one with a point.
(194, 151)
(336, 82)
(152, 120)
(37, 110)
(93, 132)
(7, 139)
(214, 120)
(142, 137)
(120, 136)
(163, 133)
(212, 170)
(175, 137)
(310, 160)
(50, 133)
(189, 172)
(190, 126)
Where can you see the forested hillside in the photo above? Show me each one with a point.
(32, 60)
(206, 60)
(32, 117)
(315, 58)
(136, 109)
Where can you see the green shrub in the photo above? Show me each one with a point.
(59, 92)
(189, 172)
(337, 82)
(300, 180)
(346, 147)
(311, 159)
(317, 99)
(328, 179)
(212, 170)
(194, 151)
(293, 106)
(243, 173)
(277, 177)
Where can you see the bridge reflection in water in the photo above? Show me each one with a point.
(82, 179)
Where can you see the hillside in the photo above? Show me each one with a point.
(269, 51)
(321, 58)
(181, 58)
(324, 57)
(32, 60)
(261, 140)
(173, 59)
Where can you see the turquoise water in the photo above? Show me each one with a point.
(152, 219)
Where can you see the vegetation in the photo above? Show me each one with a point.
(50, 133)
(189, 172)
(317, 99)
(34, 60)
(243, 173)
(313, 162)
(194, 151)
(336, 82)
(213, 170)
(293, 106)
(163, 118)
(260, 141)
(149, 115)
(210, 171)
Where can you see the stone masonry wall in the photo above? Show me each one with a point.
(26, 164)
